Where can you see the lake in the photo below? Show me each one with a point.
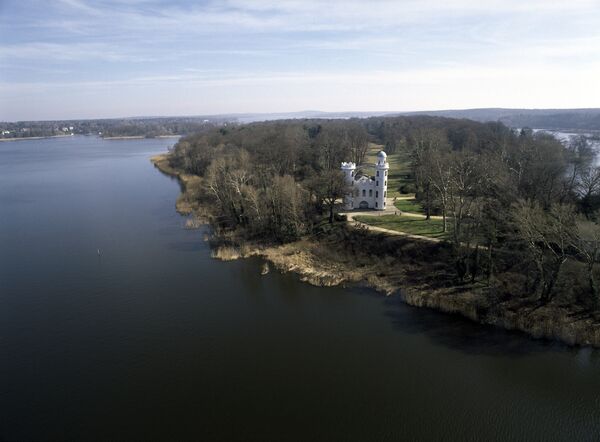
(151, 339)
(565, 137)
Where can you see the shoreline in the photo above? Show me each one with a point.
(546, 322)
(139, 137)
(36, 138)
(134, 137)
(189, 184)
(406, 277)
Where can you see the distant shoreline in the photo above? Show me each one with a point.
(139, 137)
(35, 138)
(135, 137)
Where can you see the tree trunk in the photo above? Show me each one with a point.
(540, 281)
(428, 203)
(547, 295)
(490, 272)
(475, 265)
(593, 285)
(445, 223)
(461, 267)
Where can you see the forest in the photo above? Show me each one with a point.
(521, 208)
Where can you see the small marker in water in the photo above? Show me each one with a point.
(98, 252)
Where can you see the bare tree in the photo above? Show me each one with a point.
(586, 241)
(332, 143)
(328, 187)
(440, 178)
(358, 141)
(427, 147)
(548, 236)
(226, 179)
(580, 158)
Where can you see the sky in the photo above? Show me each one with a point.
(62, 59)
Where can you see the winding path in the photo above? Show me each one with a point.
(389, 210)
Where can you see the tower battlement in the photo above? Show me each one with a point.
(367, 192)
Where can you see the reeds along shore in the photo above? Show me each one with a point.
(416, 271)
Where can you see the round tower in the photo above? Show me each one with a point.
(381, 179)
(349, 170)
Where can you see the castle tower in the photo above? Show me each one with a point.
(349, 170)
(381, 179)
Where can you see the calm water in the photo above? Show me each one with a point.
(565, 137)
(154, 340)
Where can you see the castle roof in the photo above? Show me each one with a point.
(363, 179)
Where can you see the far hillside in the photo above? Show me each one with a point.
(551, 119)
(568, 120)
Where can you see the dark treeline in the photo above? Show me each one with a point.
(275, 179)
(521, 209)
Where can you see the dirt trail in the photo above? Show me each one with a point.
(389, 210)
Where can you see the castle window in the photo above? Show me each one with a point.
(377, 173)
(377, 183)
(364, 192)
(370, 192)
(385, 184)
(386, 173)
(377, 194)
(385, 193)
(375, 203)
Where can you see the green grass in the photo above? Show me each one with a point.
(432, 228)
(410, 205)
(399, 168)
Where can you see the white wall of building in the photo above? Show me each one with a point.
(367, 192)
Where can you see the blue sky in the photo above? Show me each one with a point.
(87, 59)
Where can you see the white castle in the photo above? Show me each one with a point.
(367, 192)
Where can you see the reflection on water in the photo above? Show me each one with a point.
(155, 340)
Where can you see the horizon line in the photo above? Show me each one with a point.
(368, 113)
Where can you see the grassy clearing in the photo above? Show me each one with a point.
(409, 205)
(432, 228)
(399, 168)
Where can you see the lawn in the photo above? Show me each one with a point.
(432, 228)
(409, 205)
(399, 168)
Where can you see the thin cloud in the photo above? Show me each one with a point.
(346, 54)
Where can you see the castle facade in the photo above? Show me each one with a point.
(368, 192)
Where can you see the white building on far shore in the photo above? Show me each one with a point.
(367, 192)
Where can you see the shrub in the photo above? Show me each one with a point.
(408, 188)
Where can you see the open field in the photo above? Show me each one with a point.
(409, 205)
(399, 168)
(431, 228)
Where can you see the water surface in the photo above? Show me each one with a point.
(152, 339)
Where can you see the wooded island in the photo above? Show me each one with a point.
(515, 213)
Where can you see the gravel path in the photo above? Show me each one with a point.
(389, 210)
